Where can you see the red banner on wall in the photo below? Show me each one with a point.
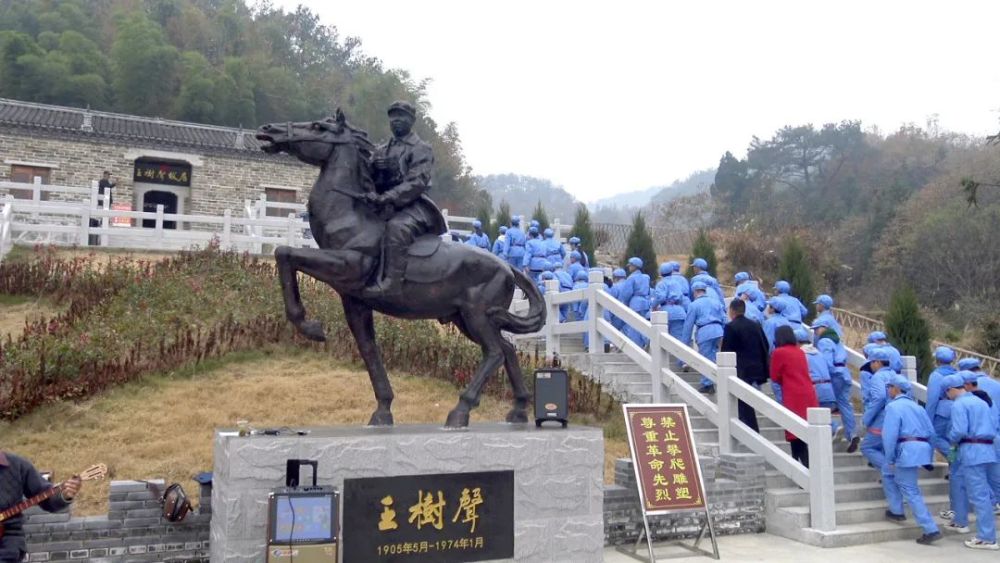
(665, 458)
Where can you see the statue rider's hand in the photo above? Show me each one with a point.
(381, 163)
(374, 198)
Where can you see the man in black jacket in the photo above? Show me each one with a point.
(19, 479)
(746, 338)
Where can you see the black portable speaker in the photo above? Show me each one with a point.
(551, 396)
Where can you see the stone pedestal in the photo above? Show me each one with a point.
(558, 479)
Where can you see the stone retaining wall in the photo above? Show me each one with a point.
(734, 485)
(132, 530)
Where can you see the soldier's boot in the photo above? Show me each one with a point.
(391, 284)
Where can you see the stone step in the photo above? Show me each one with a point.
(620, 367)
(855, 473)
(849, 492)
(865, 511)
(856, 534)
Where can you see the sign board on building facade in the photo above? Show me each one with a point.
(667, 470)
(162, 172)
(441, 518)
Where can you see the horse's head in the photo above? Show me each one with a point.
(312, 142)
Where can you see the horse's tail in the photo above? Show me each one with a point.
(535, 319)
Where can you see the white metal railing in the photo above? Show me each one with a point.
(818, 479)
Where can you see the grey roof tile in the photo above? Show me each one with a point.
(116, 125)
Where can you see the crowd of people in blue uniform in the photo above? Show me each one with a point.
(960, 420)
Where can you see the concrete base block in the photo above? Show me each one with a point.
(558, 479)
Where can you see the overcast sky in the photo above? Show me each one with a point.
(617, 96)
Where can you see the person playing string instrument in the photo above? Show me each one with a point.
(19, 480)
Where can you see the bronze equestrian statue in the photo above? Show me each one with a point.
(380, 249)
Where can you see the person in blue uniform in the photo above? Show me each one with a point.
(616, 290)
(987, 389)
(659, 295)
(639, 298)
(794, 310)
(565, 284)
(938, 406)
(875, 400)
(681, 283)
(538, 229)
(896, 359)
(819, 372)
(828, 342)
(746, 285)
(542, 278)
(478, 238)
(676, 315)
(500, 245)
(824, 310)
(555, 250)
(574, 264)
(700, 266)
(973, 432)
(752, 312)
(774, 319)
(704, 314)
(906, 434)
(535, 257)
(515, 243)
(574, 244)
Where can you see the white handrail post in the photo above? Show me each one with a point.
(822, 505)
(595, 283)
(83, 239)
(106, 220)
(93, 194)
(726, 362)
(159, 223)
(291, 230)
(910, 368)
(557, 230)
(656, 354)
(551, 320)
(36, 189)
(227, 229)
(444, 213)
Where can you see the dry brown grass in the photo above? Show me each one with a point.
(162, 427)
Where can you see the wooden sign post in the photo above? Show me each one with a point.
(667, 472)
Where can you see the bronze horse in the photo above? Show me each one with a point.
(447, 281)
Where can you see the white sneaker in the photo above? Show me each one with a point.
(957, 528)
(838, 434)
(947, 514)
(976, 543)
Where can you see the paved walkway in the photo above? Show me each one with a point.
(774, 549)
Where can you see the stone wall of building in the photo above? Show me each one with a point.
(734, 486)
(132, 530)
(223, 180)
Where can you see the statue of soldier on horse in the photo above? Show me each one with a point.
(380, 249)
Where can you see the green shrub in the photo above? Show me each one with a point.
(703, 248)
(640, 243)
(909, 331)
(583, 228)
(796, 270)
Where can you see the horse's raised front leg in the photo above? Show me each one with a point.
(360, 320)
(318, 263)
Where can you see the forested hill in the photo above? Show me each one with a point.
(524, 192)
(212, 61)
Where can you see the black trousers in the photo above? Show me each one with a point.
(800, 452)
(748, 416)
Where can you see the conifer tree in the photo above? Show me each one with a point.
(585, 231)
(908, 330)
(541, 216)
(503, 215)
(640, 243)
(795, 269)
(703, 248)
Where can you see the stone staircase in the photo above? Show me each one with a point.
(859, 498)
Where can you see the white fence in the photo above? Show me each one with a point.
(73, 216)
(815, 431)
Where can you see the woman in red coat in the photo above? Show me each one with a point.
(790, 369)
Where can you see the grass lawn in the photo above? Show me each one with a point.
(162, 426)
